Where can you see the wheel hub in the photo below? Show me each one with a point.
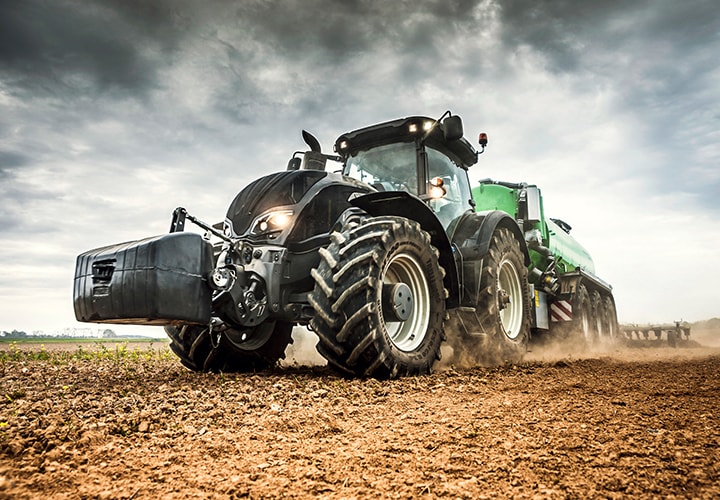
(503, 299)
(397, 301)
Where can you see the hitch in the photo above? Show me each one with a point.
(178, 224)
(178, 220)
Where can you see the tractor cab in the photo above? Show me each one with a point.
(422, 156)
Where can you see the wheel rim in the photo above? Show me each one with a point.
(510, 300)
(250, 339)
(409, 334)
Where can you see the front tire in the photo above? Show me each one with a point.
(201, 350)
(379, 299)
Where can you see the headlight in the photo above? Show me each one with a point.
(272, 222)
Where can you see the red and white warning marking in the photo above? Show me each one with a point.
(561, 310)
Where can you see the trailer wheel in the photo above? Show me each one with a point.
(379, 299)
(611, 327)
(503, 305)
(583, 332)
(201, 350)
(598, 317)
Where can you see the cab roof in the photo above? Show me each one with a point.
(406, 130)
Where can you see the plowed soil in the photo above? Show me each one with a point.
(623, 423)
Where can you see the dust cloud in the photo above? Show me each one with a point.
(457, 353)
(302, 351)
(461, 354)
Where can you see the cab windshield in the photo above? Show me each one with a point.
(393, 167)
(387, 168)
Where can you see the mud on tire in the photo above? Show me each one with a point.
(379, 299)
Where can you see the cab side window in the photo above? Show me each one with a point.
(455, 202)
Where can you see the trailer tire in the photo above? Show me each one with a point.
(598, 317)
(203, 351)
(503, 305)
(362, 321)
(582, 330)
(611, 326)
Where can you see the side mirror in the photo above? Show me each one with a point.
(452, 128)
(294, 163)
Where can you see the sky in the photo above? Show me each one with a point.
(113, 113)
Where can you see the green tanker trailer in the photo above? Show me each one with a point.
(569, 300)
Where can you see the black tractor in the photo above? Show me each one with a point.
(384, 259)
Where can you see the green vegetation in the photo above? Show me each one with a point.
(15, 334)
(78, 340)
(96, 351)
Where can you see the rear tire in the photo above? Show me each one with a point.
(503, 305)
(379, 299)
(199, 350)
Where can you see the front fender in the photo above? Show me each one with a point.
(403, 204)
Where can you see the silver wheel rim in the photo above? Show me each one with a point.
(509, 285)
(409, 334)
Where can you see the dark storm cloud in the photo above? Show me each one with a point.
(10, 160)
(64, 47)
(297, 59)
(658, 58)
(334, 32)
(568, 31)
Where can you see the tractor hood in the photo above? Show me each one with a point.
(275, 190)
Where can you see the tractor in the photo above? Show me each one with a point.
(384, 256)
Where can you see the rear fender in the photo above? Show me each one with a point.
(403, 204)
(497, 219)
(471, 238)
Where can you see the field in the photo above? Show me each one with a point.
(128, 421)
